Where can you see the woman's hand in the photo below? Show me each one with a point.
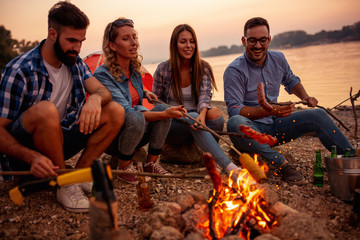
(201, 118)
(150, 96)
(176, 112)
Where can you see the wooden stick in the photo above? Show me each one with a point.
(211, 205)
(182, 175)
(353, 96)
(254, 170)
(305, 103)
(352, 100)
(218, 132)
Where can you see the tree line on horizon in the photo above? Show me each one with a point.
(10, 48)
(293, 39)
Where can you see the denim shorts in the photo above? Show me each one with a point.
(74, 140)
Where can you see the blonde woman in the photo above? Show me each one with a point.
(120, 73)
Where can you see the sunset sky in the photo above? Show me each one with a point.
(215, 22)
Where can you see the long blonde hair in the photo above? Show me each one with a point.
(198, 66)
(110, 35)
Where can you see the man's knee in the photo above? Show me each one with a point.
(44, 113)
(235, 121)
(315, 115)
(113, 113)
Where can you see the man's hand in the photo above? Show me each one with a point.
(42, 167)
(283, 111)
(150, 96)
(311, 101)
(90, 114)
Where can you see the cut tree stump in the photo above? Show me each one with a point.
(100, 226)
(185, 153)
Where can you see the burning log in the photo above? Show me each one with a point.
(216, 179)
(231, 209)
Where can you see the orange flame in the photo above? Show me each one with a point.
(238, 205)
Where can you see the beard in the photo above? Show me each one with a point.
(64, 57)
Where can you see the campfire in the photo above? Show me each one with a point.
(237, 207)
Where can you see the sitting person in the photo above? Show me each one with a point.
(187, 80)
(44, 118)
(120, 73)
(258, 65)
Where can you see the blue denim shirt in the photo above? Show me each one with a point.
(242, 76)
(120, 89)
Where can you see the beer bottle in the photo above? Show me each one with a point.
(318, 171)
(347, 152)
(333, 152)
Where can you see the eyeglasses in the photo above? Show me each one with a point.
(253, 41)
(120, 23)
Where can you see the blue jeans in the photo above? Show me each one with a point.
(287, 129)
(136, 132)
(181, 131)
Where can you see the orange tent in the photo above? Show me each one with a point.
(96, 59)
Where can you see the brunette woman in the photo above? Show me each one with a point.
(186, 79)
(120, 73)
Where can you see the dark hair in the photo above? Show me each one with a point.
(256, 21)
(67, 14)
(197, 63)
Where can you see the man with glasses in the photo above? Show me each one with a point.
(44, 117)
(258, 65)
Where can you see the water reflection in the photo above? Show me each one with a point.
(327, 71)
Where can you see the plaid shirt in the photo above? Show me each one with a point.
(162, 85)
(25, 82)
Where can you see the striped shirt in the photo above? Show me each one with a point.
(162, 85)
(25, 82)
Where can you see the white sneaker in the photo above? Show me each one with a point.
(72, 198)
(86, 187)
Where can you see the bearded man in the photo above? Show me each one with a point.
(44, 116)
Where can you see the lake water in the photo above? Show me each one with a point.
(326, 71)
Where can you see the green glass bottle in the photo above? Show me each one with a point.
(333, 152)
(318, 171)
(347, 152)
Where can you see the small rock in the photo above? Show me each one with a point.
(232, 237)
(185, 201)
(195, 236)
(166, 233)
(266, 236)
